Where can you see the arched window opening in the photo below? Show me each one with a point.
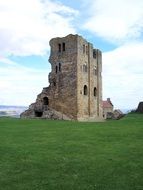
(83, 48)
(46, 101)
(85, 90)
(59, 66)
(59, 46)
(95, 91)
(56, 69)
(38, 113)
(64, 47)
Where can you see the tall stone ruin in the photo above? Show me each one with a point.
(75, 83)
(140, 108)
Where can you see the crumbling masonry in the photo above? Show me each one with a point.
(75, 90)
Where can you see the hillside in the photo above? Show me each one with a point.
(13, 111)
(61, 155)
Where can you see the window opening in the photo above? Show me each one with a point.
(83, 48)
(46, 101)
(59, 45)
(54, 83)
(95, 91)
(94, 53)
(56, 69)
(64, 47)
(85, 90)
(59, 66)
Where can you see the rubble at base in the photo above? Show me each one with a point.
(40, 109)
(48, 114)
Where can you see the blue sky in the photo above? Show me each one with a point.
(115, 27)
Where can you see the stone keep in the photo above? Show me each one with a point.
(75, 89)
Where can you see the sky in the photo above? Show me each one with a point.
(115, 27)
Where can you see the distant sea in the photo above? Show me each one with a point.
(11, 111)
(126, 110)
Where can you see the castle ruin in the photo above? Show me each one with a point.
(75, 82)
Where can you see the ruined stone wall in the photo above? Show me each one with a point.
(106, 111)
(82, 78)
(75, 90)
(89, 74)
(63, 77)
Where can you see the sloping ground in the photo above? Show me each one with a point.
(61, 155)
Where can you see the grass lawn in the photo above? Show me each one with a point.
(61, 155)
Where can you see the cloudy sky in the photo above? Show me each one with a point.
(115, 27)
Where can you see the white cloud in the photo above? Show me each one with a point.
(25, 29)
(20, 85)
(116, 21)
(119, 22)
(27, 26)
(122, 75)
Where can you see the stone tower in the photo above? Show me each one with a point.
(75, 90)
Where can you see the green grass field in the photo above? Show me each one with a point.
(61, 155)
